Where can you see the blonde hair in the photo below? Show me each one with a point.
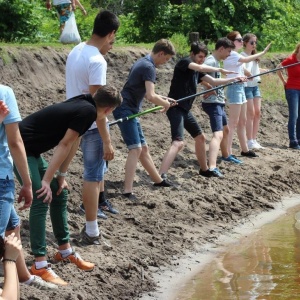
(296, 49)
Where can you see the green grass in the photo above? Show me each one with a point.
(271, 87)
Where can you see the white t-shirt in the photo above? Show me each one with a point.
(253, 68)
(58, 2)
(85, 66)
(232, 63)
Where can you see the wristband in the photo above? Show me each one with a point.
(9, 260)
(62, 174)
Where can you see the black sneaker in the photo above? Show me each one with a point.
(250, 153)
(164, 183)
(208, 173)
(130, 196)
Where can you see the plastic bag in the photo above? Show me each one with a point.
(70, 34)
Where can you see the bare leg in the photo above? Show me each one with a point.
(90, 195)
(200, 151)
(224, 142)
(234, 114)
(130, 168)
(170, 156)
(241, 128)
(257, 114)
(250, 118)
(148, 164)
(214, 147)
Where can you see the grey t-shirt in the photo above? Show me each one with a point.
(134, 89)
(220, 97)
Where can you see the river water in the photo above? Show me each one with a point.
(263, 265)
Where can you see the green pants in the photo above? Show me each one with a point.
(38, 210)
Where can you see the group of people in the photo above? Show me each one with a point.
(82, 120)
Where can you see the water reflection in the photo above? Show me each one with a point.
(265, 265)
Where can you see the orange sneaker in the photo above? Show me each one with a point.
(75, 258)
(47, 274)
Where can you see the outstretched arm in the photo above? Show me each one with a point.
(218, 81)
(209, 69)
(246, 59)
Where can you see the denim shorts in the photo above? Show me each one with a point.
(235, 94)
(252, 92)
(9, 219)
(92, 149)
(131, 130)
(181, 119)
(217, 115)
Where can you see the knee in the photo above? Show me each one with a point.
(257, 113)
(136, 151)
(200, 138)
(178, 145)
(218, 135)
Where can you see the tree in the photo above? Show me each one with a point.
(17, 21)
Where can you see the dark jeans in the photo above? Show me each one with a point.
(293, 100)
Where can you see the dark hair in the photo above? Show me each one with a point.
(164, 45)
(246, 38)
(2, 247)
(107, 96)
(225, 43)
(197, 47)
(105, 23)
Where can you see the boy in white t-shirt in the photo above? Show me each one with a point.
(85, 73)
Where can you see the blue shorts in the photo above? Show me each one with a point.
(131, 130)
(181, 119)
(9, 219)
(64, 12)
(252, 92)
(217, 115)
(92, 149)
(235, 94)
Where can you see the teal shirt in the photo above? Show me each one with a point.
(6, 162)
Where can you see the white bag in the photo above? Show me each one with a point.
(70, 34)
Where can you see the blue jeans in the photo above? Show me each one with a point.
(293, 100)
(131, 130)
(9, 219)
(92, 149)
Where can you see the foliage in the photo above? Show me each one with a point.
(282, 27)
(28, 21)
(180, 43)
(18, 21)
(128, 32)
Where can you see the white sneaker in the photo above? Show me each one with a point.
(256, 145)
(250, 144)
